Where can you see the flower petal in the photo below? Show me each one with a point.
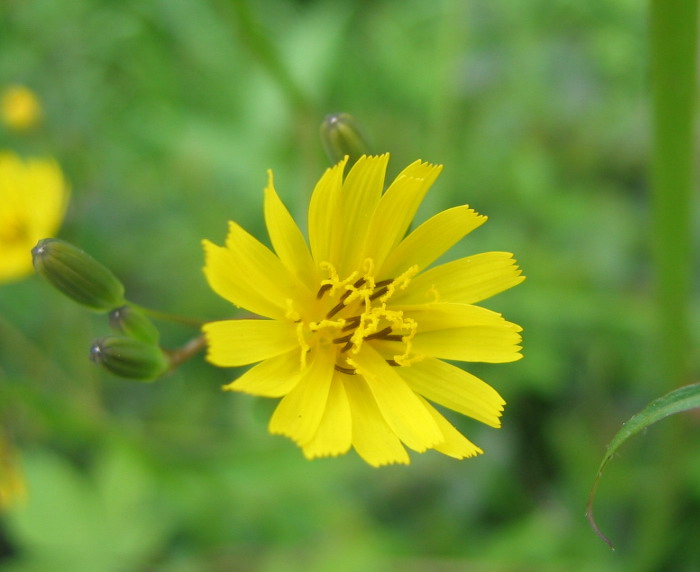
(397, 208)
(455, 444)
(456, 389)
(372, 438)
(466, 281)
(482, 343)
(274, 377)
(430, 240)
(286, 238)
(226, 277)
(299, 413)
(442, 316)
(399, 405)
(362, 190)
(232, 343)
(325, 215)
(334, 435)
(262, 269)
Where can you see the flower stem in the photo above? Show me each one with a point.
(166, 317)
(188, 351)
(673, 44)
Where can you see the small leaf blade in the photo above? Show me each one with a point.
(677, 401)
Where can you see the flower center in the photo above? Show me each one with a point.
(353, 312)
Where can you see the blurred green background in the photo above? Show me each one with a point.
(165, 116)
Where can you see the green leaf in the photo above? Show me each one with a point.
(677, 401)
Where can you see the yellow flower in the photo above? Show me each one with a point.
(33, 198)
(20, 108)
(356, 327)
(13, 489)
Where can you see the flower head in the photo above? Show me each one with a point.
(19, 108)
(356, 325)
(13, 488)
(33, 198)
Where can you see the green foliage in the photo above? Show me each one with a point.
(165, 117)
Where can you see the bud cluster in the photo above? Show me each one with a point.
(134, 353)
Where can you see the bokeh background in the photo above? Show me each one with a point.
(165, 116)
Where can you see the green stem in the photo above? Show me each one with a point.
(673, 44)
(186, 352)
(166, 317)
(267, 54)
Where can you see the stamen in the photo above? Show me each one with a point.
(351, 324)
(383, 334)
(341, 303)
(335, 309)
(392, 362)
(394, 338)
(383, 282)
(322, 290)
(342, 340)
(378, 293)
(347, 370)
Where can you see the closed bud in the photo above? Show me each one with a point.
(77, 274)
(341, 135)
(130, 358)
(133, 323)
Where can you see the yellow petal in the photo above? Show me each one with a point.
(466, 281)
(33, 199)
(493, 343)
(372, 438)
(299, 413)
(334, 435)
(442, 316)
(397, 208)
(286, 238)
(262, 269)
(362, 190)
(274, 377)
(399, 405)
(226, 277)
(325, 215)
(455, 444)
(430, 240)
(455, 389)
(232, 343)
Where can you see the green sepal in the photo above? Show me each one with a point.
(133, 323)
(341, 135)
(78, 275)
(130, 358)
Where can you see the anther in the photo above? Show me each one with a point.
(351, 324)
(383, 334)
(322, 290)
(335, 309)
(378, 293)
(347, 370)
(342, 340)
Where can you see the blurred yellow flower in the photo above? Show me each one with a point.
(20, 108)
(33, 197)
(357, 326)
(13, 489)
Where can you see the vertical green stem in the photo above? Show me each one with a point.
(673, 45)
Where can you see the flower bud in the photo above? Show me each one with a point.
(77, 274)
(341, 135)
(130, 358)
(133, 323)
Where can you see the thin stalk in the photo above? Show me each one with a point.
(673, 47)
(268, 56)
(166, 317)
